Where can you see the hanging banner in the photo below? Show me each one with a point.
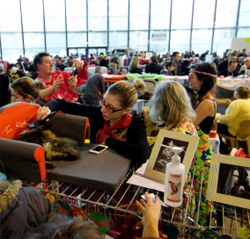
(160, 36)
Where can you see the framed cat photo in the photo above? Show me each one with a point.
(161, 155)
(229, 180)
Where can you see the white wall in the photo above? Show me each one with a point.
(240, 43)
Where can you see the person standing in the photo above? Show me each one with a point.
(94, 87)
(202, 79)
(59, 64)
(178, 71)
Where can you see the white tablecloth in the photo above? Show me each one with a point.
(180, 79)
(230, 83)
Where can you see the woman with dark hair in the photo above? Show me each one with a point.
(25, 90)
(153, 66)
(168, 68)
(202, 79)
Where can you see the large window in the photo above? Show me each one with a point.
(56, 43)
(223, 40)
(34, 43)
(226, 14)
(76, 15)
(139, 14)
(97, 39)
(77, 39)
(10, 28)
(118, 40)
(244, 13)
(54, 15)
(28, 27)
(97, 15)
(118, 15)
(10, 18)
(160, 14)
(180, 40)
(243, 32)
(203, 14)
(11, 46)
(201, 40)
(181, 14)
(32, 16)
(139, 40)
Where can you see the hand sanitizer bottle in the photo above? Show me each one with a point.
(174, 181)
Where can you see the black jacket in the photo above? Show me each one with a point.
(153, 68)
(134, 148)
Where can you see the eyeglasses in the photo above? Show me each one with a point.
(108, 107)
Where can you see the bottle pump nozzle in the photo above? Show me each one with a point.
(176, 150)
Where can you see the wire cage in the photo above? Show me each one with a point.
(233, 222)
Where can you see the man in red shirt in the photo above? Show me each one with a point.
(59, 84)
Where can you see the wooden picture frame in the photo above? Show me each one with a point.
(160, 155)
(229, 176)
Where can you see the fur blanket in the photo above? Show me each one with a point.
(55, 148)
(8, 192)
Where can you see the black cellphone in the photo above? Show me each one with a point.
(75, 72)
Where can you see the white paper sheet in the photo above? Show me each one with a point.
(139, 179)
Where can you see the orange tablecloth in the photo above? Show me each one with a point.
(113, 78)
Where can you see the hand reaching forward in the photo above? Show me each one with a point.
(151, 214)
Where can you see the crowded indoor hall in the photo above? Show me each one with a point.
(124, 119)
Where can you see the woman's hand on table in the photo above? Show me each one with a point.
(43, 112)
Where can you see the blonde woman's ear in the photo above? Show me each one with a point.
(127, 110)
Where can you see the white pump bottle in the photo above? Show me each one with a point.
(174, 179)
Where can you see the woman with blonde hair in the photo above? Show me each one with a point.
(170, 104)
(134, 66)
(112, 124)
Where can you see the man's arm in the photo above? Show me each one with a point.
(82, 68)
(58, 82)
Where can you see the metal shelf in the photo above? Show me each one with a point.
(122, 201)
